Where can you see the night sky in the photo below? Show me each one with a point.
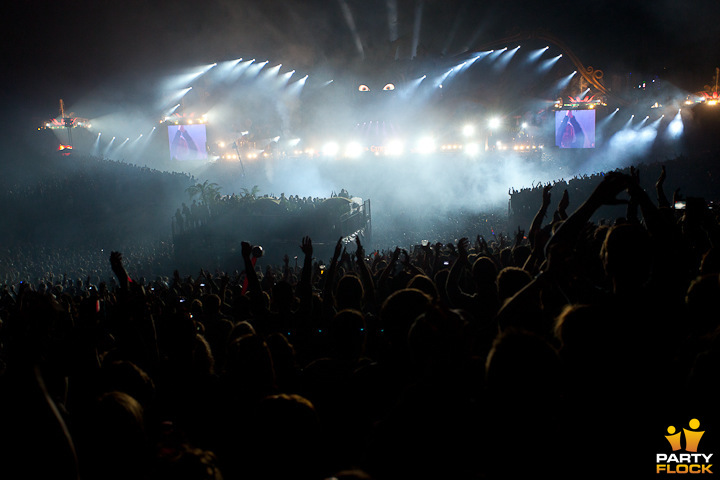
(118, 50)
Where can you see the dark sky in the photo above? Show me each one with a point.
(117, 50)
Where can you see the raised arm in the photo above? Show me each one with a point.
(305, 285)
(116, 262)
(661, 197)
(365, 274)
(328, 294)
(536, 224)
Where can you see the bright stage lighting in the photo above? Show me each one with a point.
(564, 82)
(441, 79)
(536, 54)
(494, 122)
(285, 78)
(394, 148)
(225, 68)
(504, 59)
(272, 71)
(548, 64)
(642, 122)
(656, 123)
(426, 145)
(472, 149)
(353, 150)
(468, 130)
(296, 87)
(411, 87)
(524, 125)
(239, 69)
(108, 147)
(330, 149)
(254, 69)
(675, 127)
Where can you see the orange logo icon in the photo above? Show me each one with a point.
(692, 436)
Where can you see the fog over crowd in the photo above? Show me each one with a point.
(509, 333)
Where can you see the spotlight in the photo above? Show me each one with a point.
(426, 145)
(330, 149)
(394, 148)
(468, 130)
(353, 150)
(494, 122)
(472, 149)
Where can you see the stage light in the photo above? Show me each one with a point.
(472, 149)
(395, 148)
(330, 149)
(353, 150)
(426, 145)
(494, 122)
(546, 65)
(504, 60)
(524, 125)
(675, 127)
(221, 144)
(468, 130)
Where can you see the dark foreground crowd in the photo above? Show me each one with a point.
(564, 352)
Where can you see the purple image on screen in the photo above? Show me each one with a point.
(575, 128)
(187, 142)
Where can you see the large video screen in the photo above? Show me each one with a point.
(187, 142)
(575, 128)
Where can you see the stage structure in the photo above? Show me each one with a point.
(215, 242)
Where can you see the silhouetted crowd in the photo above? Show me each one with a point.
(546, 352)
(197, 214)
(87, 202)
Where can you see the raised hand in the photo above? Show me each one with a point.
(338, 249)
(246, 249)
(564, 201)
(519, 236)
(359, 251)
(306, 246)
(661, 178)
(116, 263)
(607, 190)
(546, 195)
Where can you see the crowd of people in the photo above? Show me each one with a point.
(87, 202)
(250, 202)
(527, 353)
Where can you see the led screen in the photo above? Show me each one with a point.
(187, 142)
(575, 128)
